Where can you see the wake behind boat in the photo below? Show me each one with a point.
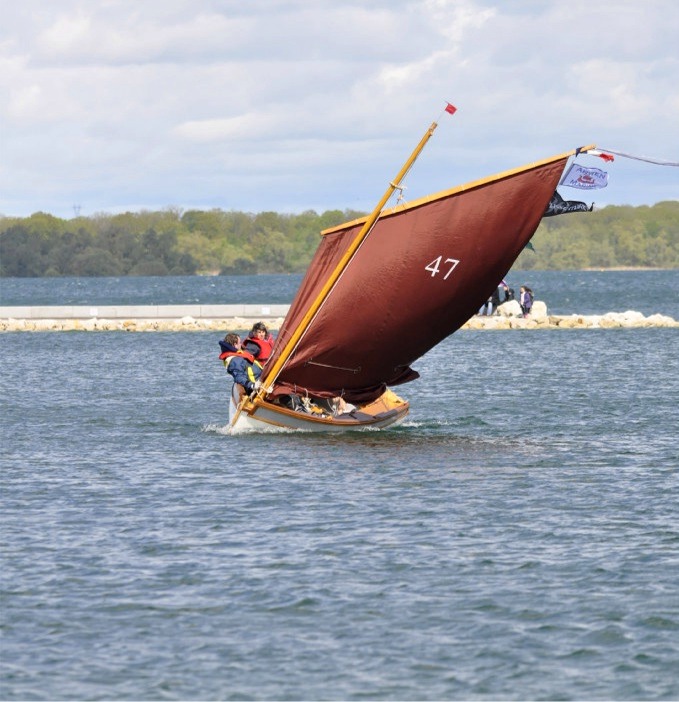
(383, 290)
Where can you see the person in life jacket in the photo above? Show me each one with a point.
(259, 342)
(241, 365)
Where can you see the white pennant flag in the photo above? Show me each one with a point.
(585, 178)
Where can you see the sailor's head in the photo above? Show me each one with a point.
(259, 330)
(233, 340)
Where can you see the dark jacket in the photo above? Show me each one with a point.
(240, 365)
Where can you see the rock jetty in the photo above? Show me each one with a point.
(183, 318)
(508, 316)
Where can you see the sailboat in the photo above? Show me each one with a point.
(384, 289)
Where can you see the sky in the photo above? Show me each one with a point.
(109, 106)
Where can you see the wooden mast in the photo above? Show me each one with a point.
(342, 264)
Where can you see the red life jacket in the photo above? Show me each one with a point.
(246, 354)
(265, 348)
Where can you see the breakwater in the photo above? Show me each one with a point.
(148, 318)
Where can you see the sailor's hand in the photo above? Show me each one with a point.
(251, 389)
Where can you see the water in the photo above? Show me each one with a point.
(564, 292)
(170, 290)
(517, 538)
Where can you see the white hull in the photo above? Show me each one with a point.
(266, 417)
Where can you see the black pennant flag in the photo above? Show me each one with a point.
(557, 206)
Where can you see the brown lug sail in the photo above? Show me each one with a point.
(420, 273)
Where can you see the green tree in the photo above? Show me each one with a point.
(183, 243)
(96, 262)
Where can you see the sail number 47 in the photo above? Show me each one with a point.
(435, 266)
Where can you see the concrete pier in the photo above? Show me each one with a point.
(139, 317)
(241, 317)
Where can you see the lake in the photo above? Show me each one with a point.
(517, 538)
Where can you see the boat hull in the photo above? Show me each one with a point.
(246, 416)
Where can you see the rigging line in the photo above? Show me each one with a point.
(656, 161)
(399, 198)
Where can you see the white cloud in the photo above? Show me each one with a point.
(66, 33)
(242, 127)
(25, 102)
(290, 104)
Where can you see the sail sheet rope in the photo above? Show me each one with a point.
(656, 161)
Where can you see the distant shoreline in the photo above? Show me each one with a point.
(187, 318)
(614, 268)
(217, 274)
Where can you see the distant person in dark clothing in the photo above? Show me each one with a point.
(495, 300)
(526, 300)
(498, 296)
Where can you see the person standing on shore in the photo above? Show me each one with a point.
(526, 300)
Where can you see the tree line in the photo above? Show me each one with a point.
(173, 242)
(614, 237)
(167, 242)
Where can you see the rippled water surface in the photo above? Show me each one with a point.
(564, 292)
(517, 538)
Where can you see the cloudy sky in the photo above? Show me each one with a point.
(290, 105)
